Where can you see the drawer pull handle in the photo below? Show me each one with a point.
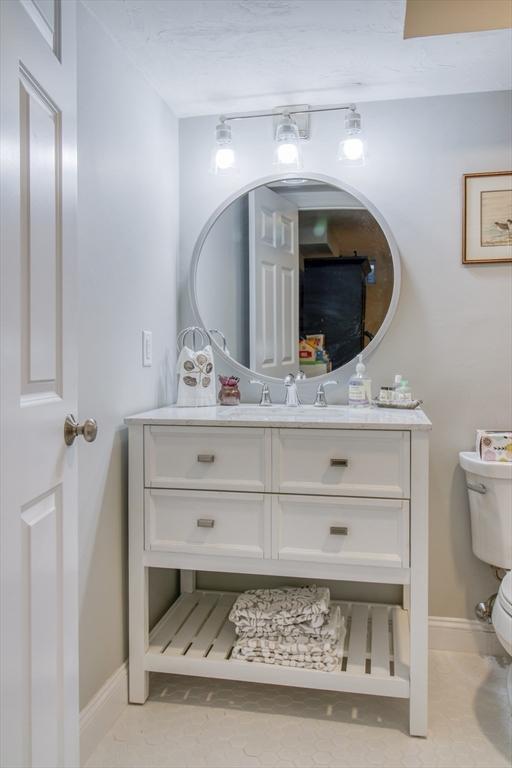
(338, 530)
(339, 462)
(206, 458)
(204, 522)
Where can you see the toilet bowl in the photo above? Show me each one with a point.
(489, 485)
(502, 621)
(502, 613)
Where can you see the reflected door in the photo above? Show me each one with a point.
(274, 283)
(39, 562)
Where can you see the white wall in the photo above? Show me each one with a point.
(128, 223)
(451, 336)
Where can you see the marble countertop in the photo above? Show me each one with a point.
(307, 416)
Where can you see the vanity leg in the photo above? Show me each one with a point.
(418, 591)
(406, 597)
(138, 678)
(187, 581)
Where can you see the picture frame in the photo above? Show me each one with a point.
(487, 219)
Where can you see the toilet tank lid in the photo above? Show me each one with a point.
(471, 462)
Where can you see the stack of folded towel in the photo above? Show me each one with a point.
(292, 626)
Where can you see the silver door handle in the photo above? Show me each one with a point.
(206, 458)
(338, 530)
(339, 462)
(478, 487)
(205, 522)
(72, 429)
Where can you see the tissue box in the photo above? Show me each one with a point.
(494, 444)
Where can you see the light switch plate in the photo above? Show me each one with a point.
(147, 348)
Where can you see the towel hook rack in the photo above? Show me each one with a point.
(193, 329)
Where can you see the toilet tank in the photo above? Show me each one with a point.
(489, 485)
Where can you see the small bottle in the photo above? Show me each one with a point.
(360, 386)
(394, 388)
(386, 395)
(403, 393)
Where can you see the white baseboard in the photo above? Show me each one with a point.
(445, 634)
(466, 635)
(100, 714)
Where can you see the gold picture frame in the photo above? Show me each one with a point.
(487, 219)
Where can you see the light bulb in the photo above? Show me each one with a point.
(287, 153)
(223, 154)
(352, 147)
(225, 158)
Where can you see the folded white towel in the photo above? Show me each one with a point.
(272, 631)
(322, 664)
(302, 651)
(275, 609)
(301, 642)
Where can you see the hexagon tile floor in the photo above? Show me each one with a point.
(197, 722)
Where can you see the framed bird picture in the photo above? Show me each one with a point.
(487, 226)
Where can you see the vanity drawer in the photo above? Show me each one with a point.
(341, 462)
(207, 458)
(344, 531)
(213, 523)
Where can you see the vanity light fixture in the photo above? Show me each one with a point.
(287, 137)
(351, 147)
(287, 150)
(223, 155)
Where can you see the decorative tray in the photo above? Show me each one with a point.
(402, 406)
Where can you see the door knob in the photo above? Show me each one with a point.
(88, 430)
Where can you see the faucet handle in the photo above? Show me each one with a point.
(265, 392)
(321, 400)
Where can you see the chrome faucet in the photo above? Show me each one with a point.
(321, 400)
(292, 399)
(265, 392)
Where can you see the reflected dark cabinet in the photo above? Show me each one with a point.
(333, 297)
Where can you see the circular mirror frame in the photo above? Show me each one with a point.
(395, 255)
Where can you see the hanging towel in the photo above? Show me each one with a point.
(196, 377)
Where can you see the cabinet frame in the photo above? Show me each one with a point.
(413, 635)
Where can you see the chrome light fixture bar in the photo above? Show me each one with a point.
(287, 138)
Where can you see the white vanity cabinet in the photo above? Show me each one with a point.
(335, 493)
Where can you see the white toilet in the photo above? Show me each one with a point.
(489, 485)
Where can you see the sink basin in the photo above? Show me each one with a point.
(273, 409)
(276, 412)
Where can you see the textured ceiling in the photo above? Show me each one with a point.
(214, 56)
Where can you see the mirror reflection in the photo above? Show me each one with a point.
(294, 276)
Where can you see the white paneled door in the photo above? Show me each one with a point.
(274, 283)
(39, 562)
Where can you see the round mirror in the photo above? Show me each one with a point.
(295, 274)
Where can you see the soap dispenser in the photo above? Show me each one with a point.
(360, 386)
